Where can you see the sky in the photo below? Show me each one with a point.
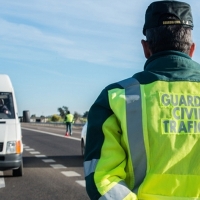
(64, 52)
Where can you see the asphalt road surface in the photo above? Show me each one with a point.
(53, 167)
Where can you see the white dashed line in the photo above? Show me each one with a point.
(70, 173)
(58, 166)
(35, 152)
(40, 156)
(82, 183)
(30, 149)
(48, 160)
(55, 166)
(2, 182)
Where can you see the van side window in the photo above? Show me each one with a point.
(6, 106)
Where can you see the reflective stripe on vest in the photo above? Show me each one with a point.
(89, 166)
(118, 192)
(135, 129)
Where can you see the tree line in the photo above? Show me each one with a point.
(62, 113)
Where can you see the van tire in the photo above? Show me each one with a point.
(19, 171)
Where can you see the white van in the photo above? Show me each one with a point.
(11, 147)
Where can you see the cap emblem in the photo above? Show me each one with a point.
(172, 22)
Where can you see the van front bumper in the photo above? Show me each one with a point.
(10, 161)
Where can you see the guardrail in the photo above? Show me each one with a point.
(57, 124)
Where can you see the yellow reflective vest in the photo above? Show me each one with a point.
(143, 136)
(69, 118)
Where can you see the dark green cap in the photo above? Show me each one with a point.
(158, 11)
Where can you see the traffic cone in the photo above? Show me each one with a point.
(66, 134)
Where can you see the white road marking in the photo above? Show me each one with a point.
(40, 156)
(70, 173)
(48, 160)
(35, 152)
(82, 183)
(58, 166)
(54, 134)
(26, 147)
(30, 149)
(2, 182)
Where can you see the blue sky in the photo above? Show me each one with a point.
(63, 52)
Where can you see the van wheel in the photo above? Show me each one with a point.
(82, 148)
(19, 171)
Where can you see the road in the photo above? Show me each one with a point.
(53, 167)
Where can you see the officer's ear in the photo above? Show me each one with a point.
(192, 49)
(147, 51)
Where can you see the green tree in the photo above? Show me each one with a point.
(76, 116)
(63, 111)
(55, 118)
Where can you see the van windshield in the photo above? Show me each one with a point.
(6, 106)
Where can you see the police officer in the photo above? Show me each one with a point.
(143, 136)
(69, 119)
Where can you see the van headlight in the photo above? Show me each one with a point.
(14, 147)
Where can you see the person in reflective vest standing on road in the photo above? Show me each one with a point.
(69, 119)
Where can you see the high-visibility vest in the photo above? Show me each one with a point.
(163, 136)
(69, 118)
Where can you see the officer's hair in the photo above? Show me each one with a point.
(169, 37)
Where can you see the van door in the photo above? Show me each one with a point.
(10, 135)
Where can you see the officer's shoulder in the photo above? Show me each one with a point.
(125, 83)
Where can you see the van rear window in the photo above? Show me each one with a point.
(6, 106)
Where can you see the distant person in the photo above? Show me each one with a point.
(143, 135)
(3, 108)
(69, 119)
